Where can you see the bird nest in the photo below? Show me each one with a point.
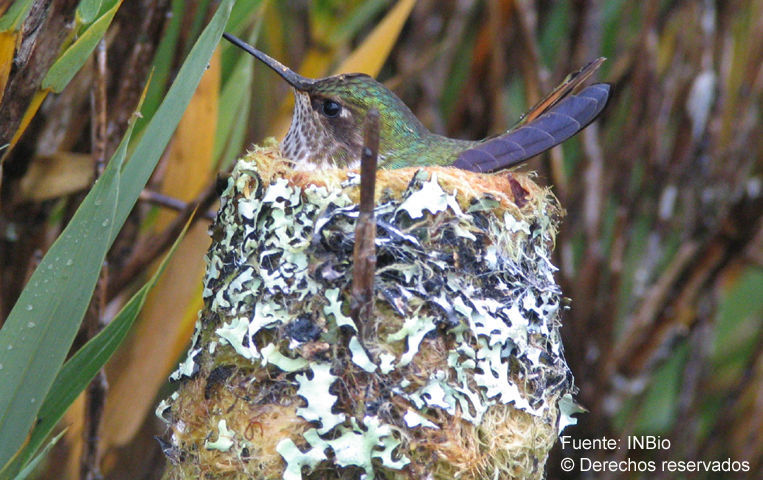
(459, 372)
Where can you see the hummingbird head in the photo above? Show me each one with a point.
(327, 124)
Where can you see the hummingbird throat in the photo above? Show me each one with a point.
(311, 146)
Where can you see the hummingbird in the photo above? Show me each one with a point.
(327, 124)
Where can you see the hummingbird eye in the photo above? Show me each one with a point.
(330, 108)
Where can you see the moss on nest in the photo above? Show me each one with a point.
(460, 374)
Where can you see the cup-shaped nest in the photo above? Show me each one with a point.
(458, 371)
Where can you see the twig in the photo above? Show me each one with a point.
(172, 203)
(364, 254)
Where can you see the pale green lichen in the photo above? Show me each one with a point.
(295, 459)
(319, 400)
(438, 393)
(430, 197)
(567, 408)
(413, 331)
(233, 333)
(224, 438)
(272, 356)
(356, 445)
(165, 406)
(359, 355)
(334, 307)
(386, 362)
(188, 367)
(413, 419)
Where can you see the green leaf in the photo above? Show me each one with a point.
(82, 367)
(40, 328)
(15, 15)
(88, 9)
(70, 62)
(42, 324)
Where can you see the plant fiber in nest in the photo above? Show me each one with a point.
(459, 373)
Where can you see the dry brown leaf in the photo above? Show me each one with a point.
(53, 176)
(370, 56)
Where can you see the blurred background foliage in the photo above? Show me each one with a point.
(660, 251)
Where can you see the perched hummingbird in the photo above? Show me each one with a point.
(327, 126)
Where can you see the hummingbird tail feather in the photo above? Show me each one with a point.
(563, 120)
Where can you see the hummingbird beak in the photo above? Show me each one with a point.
(293, 78)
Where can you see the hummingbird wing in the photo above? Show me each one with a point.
(551, 121)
